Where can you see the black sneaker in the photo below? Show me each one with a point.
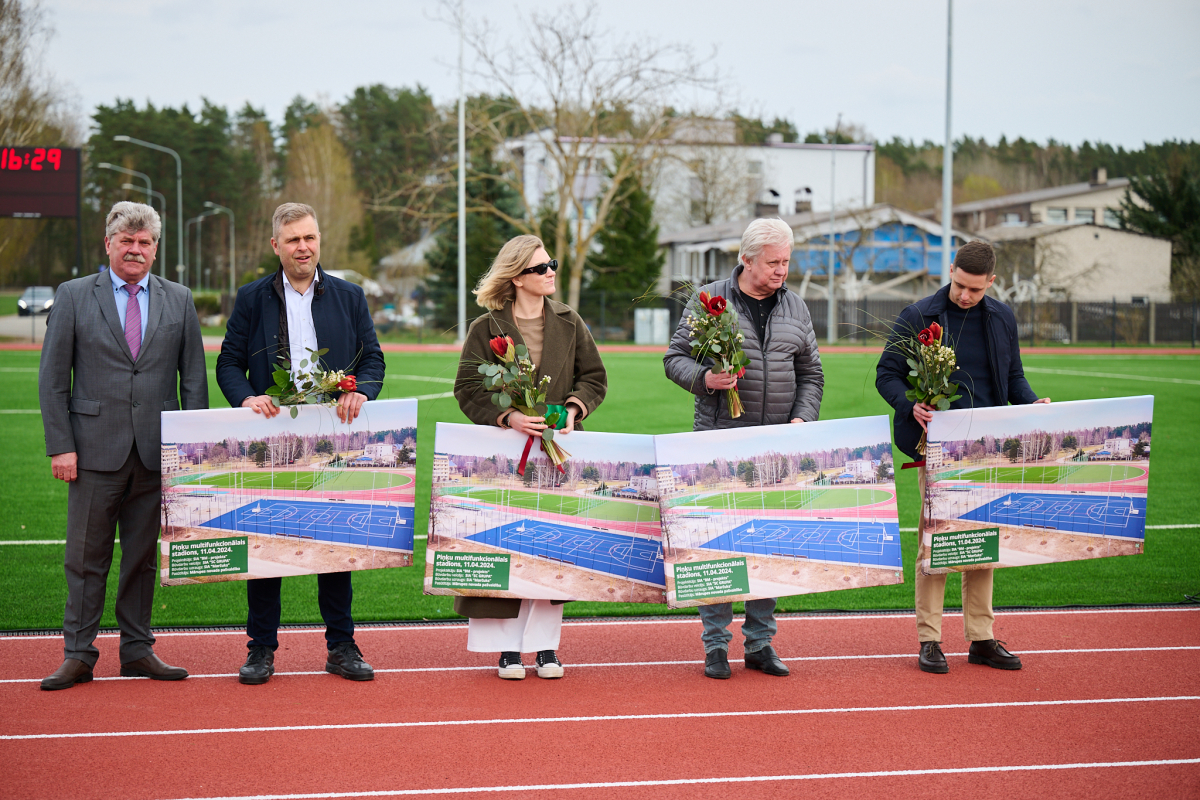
(346, 659)
(511, 668)
(716, 665)
(548, 665)
(931, 658)
(259, 666)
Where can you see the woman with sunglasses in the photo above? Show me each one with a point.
(516, 291)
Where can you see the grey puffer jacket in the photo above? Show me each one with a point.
(784, 380)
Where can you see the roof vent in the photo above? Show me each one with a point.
(1099, 176)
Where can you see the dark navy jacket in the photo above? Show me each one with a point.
(1004, 360)
(257, 333)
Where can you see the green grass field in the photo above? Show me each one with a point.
(640, 400)
(787, 499)
(304, 480)
(1049, 473)
(575, 506)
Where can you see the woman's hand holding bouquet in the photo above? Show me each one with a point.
(514, 385)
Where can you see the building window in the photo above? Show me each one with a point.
(1011, 219)
(1085, 215)
(1056, 216)
(1111, 219)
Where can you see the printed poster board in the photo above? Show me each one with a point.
(1035, 484)
(591, 532)
(778, 510)
(248, 497)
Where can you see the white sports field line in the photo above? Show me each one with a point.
(812, 776)
(1117, 376)
(458, 723)
(689, 620)
(684, 663)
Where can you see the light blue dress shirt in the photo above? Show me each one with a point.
(121, 296)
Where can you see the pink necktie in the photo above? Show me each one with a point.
(133, 320)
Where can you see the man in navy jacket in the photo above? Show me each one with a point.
(280, 320)
(983, 333)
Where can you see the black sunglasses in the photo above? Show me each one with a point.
(540, 269)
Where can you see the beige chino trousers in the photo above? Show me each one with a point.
(931, 593)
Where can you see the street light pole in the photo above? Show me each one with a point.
(947, 158)
(199, 220)
(831, 319)
(162, 204)
(133, 174)
(462, 187)
(232, 270)
(178, 189)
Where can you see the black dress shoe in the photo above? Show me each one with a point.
(716, 665)
(71, 672)
(767, 661)
(152, 667)
(259, 666)
(993, 654)
(346, 659)
(932, 659)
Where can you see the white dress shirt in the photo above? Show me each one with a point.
(302, 334)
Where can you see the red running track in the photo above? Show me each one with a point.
(1106, 706)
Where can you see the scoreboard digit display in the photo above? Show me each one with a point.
(39, 182)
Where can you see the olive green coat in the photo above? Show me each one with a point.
(569, 357)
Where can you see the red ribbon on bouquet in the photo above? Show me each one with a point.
(525, 457)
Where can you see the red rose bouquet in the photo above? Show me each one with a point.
(715, 335)
(514, 385)
(310, 385)
(930, 365)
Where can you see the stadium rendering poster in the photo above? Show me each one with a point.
(590, 532)
(1035, 484)
(778, 510)
(248, 497)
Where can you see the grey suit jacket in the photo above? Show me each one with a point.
(96, 400)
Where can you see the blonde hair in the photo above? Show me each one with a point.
(289, 213)
(496, 288)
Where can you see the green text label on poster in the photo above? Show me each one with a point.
(711, 579)
(965, 548)
(470, 571)
(228, 556)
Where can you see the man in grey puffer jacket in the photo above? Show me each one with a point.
(783, 383)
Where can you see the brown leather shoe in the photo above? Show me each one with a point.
(71, 672)
(152, 667)
(993, 654)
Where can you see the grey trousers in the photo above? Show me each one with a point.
(759, 627)
(97, 504)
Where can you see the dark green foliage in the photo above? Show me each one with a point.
(1169, 189)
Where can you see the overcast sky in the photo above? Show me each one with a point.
(213, 425)
(1108, 70)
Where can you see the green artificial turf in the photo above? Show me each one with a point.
(575, 506)
(640, 400)
(838, 497)
(1063, 474)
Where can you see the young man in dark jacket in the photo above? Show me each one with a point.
(281, 318)
(783, 384)
(983, 333)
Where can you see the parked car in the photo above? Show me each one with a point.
(36, 300)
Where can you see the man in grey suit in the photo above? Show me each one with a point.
(121, 347)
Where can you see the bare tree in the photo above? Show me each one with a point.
(720, 186)
(578, 93)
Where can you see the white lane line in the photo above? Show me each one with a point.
(429, 378)
(1117, 375)
(689, 620)
(20, 411)
(438, 396)
(811, 776)
(18, 369)
(35, 541)
(489, 667)
(780, 712)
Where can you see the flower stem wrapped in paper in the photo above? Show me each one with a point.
(715, 334)
(514, 385)
(311, 384)
(930, 365)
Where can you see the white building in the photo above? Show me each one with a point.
(441, 467)
(170, 458)
(1120, 448)
(1094, 202)
(933, 455)
(862, 469)
(666, 480)
(644, 484)
(381, 453)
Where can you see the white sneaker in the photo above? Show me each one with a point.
(511, 668)
(548, 665)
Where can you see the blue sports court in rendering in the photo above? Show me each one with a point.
(603, 551)
(875, 544)
(1099, 515)
(337, 522)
